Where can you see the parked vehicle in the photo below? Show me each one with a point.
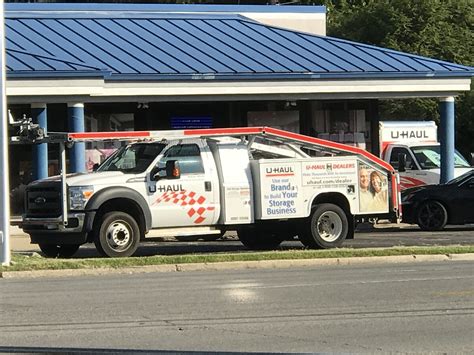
(412, 148)
(434, 206)
(267, 184)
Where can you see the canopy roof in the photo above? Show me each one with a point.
(154, 45)
(111, 52)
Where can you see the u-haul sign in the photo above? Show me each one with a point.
(280, 192)
(407, 132)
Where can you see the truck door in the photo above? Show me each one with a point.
(413, 175)
(191, 200)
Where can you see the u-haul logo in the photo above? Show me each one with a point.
(416, 134)
(169, 188)
(279, 171)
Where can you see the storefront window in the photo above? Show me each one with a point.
(286, 120)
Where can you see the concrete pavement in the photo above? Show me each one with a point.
(368, 308)
(367, 236)
(20, 242)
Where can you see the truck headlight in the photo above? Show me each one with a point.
(79, 195)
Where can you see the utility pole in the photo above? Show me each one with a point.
(5, 256)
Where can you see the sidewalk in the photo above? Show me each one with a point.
(20, 241)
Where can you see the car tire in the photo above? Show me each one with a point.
(431, 216)
(58, 251)
(326, 227)
(260, 239)
(118, 235)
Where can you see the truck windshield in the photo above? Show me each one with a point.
(132, 159)
(429, 157)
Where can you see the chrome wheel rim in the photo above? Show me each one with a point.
(119, 235)
(329, 226)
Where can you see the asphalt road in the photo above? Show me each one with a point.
(423, 307)
(365, 238)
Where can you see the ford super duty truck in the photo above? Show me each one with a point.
(266, 184)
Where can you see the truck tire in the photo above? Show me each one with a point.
(260, 239)
(431, 216)
(326, 227)
(58, 251)
(118, 235)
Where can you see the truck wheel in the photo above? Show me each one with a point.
(258, 239)
(118, 235)
(327, 227)
(59, 251)
(432, 216)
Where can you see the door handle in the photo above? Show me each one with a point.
(207, 186)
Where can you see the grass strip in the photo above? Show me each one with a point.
(21, 262)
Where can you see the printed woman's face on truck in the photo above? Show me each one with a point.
(375, 181)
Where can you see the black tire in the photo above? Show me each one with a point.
(431, 216)
(59, 251)
(260, 239)
(117, 236)
(326, 227)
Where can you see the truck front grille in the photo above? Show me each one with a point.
(43, 200)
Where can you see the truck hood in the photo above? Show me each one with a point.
(100, 178)
(96, 178)
(457, 171)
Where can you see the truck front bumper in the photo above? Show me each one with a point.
(53, 231)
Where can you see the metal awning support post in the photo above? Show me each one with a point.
(446, 138)
(5, 255)
(64, 194)
(77, 154)
(40, 151)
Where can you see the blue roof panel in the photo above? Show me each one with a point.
(152, 44)
(22, 62)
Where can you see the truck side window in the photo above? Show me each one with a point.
(188, 156)
(394, 158)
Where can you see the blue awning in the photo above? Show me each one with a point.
(150, 45)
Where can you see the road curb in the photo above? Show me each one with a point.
(236, 265)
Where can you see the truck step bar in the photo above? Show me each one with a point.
(181, 232)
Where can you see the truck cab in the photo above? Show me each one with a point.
(413, 150)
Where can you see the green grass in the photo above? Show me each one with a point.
(21, 262)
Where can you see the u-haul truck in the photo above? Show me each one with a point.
(267, 184)
(417, 141)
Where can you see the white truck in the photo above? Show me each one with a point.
(267, 184)
(412, 148)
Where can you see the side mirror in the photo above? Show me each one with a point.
(471, 159)
(172, 169)
(95, 167)
(402, 162)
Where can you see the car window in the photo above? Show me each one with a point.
(188, 156)
(394, 158)
(469, 183)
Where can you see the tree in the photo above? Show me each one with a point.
(442, 29)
